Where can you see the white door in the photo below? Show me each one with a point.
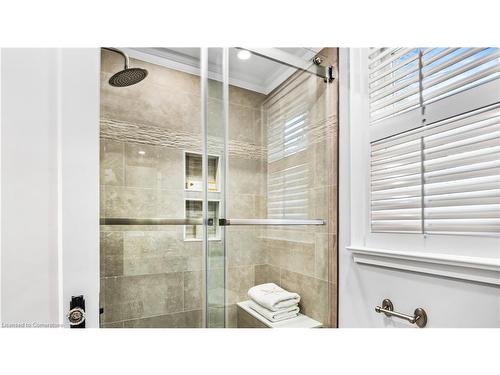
(49, 184)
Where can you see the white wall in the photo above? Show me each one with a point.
(449, 302)
(49, 182)
(29, 186)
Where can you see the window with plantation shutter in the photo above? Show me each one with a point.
(443, 178)
(435, 140)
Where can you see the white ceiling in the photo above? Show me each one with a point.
(257, 73)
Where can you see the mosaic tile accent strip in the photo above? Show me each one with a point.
(123, 131)
(158, 136)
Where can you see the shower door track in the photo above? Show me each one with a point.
(282, 57)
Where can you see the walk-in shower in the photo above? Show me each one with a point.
(218, 173)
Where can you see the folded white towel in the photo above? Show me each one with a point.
(275, 316)
(272, 297)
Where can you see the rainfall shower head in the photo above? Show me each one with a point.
(127, 76)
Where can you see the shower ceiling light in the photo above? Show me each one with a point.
(141, 152)
(244, 54)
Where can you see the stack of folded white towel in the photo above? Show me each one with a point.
(273, 302)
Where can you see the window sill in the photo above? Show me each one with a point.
(484, 270)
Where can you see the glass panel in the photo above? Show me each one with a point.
(151, 151)
(281, 165)
(216, 275)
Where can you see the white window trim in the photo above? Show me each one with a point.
(442, 255)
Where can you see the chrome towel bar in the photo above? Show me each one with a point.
(419, 316)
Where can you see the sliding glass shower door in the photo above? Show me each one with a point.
(153, 231)
(217, 174)
(271, 119)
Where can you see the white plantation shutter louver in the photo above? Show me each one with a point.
(446, 71)
(393, 81)
(440, 176)
(396, 186)
(401, 79)
(443, 178)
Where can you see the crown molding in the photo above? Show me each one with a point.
(190, 65)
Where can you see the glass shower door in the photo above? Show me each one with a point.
(154, 223)
(271, 115)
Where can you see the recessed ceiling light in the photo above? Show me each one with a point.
(244, 54)
(141, 152)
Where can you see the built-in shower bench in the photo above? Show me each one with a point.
(248, 318)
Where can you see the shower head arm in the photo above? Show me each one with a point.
(116, 50)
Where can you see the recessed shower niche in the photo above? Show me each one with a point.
(260, 136)
(194, 211)
(193, 180)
